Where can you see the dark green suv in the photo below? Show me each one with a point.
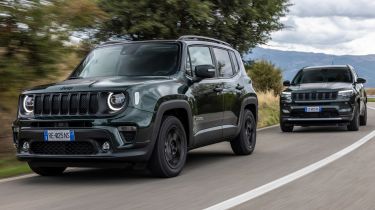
(146, 101)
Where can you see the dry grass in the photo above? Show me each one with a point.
(268, 109)
(371, 91)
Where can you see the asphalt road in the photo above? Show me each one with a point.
(213, 174)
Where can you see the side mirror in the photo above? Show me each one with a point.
(205, 71)
(361, 81)
(286, 83)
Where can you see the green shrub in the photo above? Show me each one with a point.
(265, 76)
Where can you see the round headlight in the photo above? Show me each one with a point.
(116, 101)
(28, 104)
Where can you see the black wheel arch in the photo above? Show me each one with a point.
(174, 107)
(250, 103)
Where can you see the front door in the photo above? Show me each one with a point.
(208, 100)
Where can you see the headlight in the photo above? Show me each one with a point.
(286, 96)
(28, 104)
(116, 101)
(346, 93)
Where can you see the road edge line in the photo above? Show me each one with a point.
(269, 127)
(372, 108)
(16, 178)
(240, 199)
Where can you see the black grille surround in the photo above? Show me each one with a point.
(70, 104)
(314, 96)
(63, 148)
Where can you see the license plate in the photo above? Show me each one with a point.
(313, 109)
(58, 135)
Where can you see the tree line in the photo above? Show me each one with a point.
(36, 34)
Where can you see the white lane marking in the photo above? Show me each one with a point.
(17, 178)
(371, 107)
(265, 128)
(291, 177)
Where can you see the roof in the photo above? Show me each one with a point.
(328, 67)
(189, 39)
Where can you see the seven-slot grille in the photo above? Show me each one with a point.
(314, 96)
(55, 104)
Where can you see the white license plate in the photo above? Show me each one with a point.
(313, 109)
(58, 135)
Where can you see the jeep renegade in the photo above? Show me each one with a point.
(324, 95)
(143, 101)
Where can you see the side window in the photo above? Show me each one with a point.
(235, 61)
(200, 55)
(188, 66)
(223, 62)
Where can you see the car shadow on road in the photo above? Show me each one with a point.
(320, 129)
(130, 173)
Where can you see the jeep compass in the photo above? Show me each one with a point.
(324, 95)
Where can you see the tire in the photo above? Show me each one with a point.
(286, 128)
(170, 151)
(355, 123)
(363, 119)
(244, 143)
(47, 171)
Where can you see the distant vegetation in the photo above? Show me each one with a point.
(265, 76)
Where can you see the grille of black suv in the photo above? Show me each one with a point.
(326, 113)
(314, 96)
(63, 148)
(66, 104)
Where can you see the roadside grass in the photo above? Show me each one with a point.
(10, 166)
(269, 110)
(371, 100)
(370, 91)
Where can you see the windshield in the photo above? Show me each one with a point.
(323, 76)
(133, 59)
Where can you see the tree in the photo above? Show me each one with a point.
(266, 77)
(34, 33)
(243, 23)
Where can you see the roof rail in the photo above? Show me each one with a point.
(114, 42)
(203, 38)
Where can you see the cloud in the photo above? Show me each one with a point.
(328, 8)
(331, 26)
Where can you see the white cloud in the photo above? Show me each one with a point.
(331, 26)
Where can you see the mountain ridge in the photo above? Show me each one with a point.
(292, 61)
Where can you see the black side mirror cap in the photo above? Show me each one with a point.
(361, 81)
(205, 71)
(286, 83)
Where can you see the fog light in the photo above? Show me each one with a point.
(106, 146)
(286, 111)
(25, 146)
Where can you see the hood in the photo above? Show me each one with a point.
(320, 86)
(98, 83)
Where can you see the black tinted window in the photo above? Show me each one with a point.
(223, 62)
(235, 61)
(134, 59)
(200, 55)
(323, 75)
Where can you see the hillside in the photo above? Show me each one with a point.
(292, 61)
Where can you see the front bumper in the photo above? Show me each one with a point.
(332, 113)
(130, 141)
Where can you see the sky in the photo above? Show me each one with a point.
(340, 27)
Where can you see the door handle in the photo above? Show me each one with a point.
(239, 87)
(218, 89)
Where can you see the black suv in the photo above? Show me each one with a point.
(324, 95)
(146, 101)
